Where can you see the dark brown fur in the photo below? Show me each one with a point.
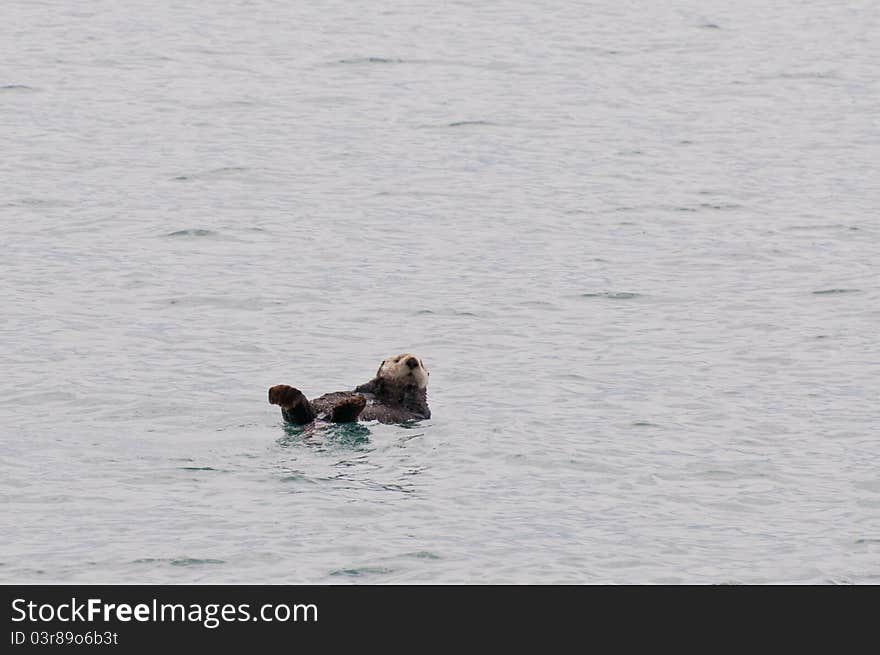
(377, 400)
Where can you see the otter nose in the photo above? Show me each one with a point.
(412, 362)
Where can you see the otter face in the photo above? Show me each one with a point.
(404, 368)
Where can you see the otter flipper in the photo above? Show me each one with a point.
(295, 407)
(348, 409)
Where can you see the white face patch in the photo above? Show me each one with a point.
(404, 367)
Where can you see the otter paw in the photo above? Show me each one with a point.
(285, 396)
(348, 409)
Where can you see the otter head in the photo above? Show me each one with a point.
(403, 370)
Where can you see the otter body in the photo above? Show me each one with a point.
(397, 394)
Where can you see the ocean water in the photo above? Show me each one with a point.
(636, 245)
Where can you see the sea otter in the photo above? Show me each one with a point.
(396, 394)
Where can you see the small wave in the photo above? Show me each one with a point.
(809, 75)
(469, 123)
(364, 570)
(192, 561)
(830, 226)
(296, 477)
(181, 561)
(537, 304)
(719, 205)
(197, 232)
(422, 554)
(596, 50)
(692, 208)
(613, 295)
(370, 60)
(827, 292)
(198, 468)
(16, 87)
(36, 203)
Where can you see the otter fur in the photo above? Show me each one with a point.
(397, 393)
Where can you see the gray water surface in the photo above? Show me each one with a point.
(636, 245)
